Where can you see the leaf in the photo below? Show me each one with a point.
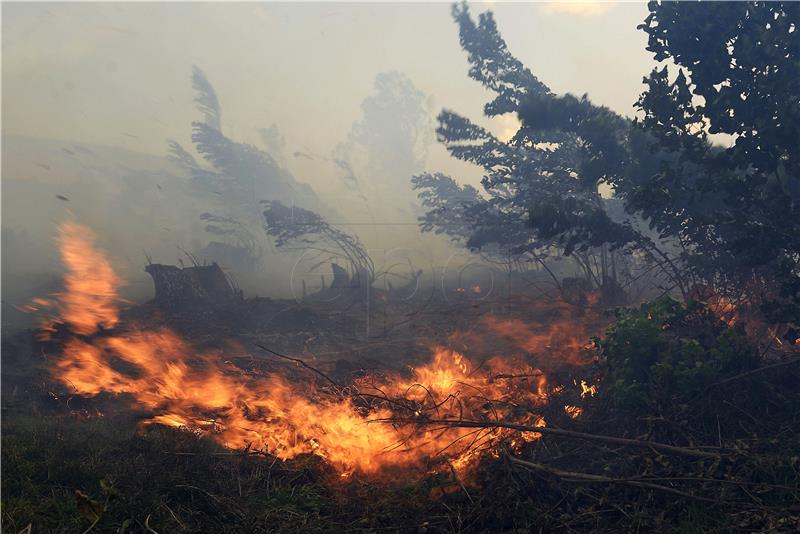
(206, 99)
(88, 507)
(108, 488)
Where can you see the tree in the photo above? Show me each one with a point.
(234, 176)
(541, 189)
(728, 218)
(291, 224)
(388, 144)
(737, 210)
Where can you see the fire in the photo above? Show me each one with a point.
(587, 389)
(561, 340)
(182, 386)
(725, 309)
(91, 285)
(445, 372)
(89, 301)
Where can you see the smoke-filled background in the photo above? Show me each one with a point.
(164, 126)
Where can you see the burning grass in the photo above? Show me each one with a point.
(156, 434)
(375, 424)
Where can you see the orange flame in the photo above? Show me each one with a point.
(560, 341)
(198, 390)
(91, 284)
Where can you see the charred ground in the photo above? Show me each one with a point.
(636, 370)
(71, 462)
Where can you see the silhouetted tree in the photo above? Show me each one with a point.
(735, 210)
(235, 176)
(206, 99)
(291, 224)
(538, 197)
(732, 214)
(388, 144)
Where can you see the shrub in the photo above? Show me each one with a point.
(664, 354)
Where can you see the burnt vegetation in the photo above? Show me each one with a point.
(650, 370)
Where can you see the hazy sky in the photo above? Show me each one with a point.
(118, 73)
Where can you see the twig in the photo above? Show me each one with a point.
(175, 517)
(754, 371)
(458, 479)
(512, 376)
(724, 481)
(301, 362)
(587, 477)
(663, 447)
(147, 525)
(241, 453)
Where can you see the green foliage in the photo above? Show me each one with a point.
(492, 64)
(540, 187)
(732, 215)
(736, 210)
(664, 353)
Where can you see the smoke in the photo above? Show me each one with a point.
(338, 125)
(204, 202)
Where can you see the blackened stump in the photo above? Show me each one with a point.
(178, 286)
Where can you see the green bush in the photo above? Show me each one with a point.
(665, 353)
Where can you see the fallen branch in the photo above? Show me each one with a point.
(301, 362)
(722, 481)
(572, 476)
(663, 447)
(512, 376)
(753, 372)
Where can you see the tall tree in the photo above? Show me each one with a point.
(541, 193)
(737, 210)
(388, 144)
(732, 213)
(235, 176)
